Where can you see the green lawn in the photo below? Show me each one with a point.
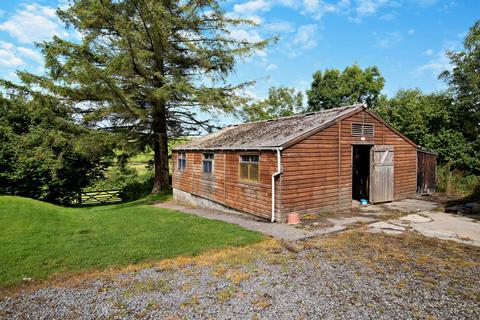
(38, 239)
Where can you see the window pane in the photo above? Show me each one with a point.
(244, 171)
(254, 172)
(208, 156)
(207, 166)
(254, 158)
(245, 158)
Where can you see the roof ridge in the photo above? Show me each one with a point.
(269, 133)
(299, 114)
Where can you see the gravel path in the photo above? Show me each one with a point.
(280, 231)
(318, 278)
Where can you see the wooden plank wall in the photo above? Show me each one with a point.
(224, 185)
(317, 173)
(426, 172)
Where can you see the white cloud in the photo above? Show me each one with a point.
(318, 8)
(8, 57)
(366, 8)
(261, 53)
(279, 27)
(311, 5)
(29, 53)
(32, 23)
(355, 10)
(11, 76)
(388, 40)
(425, 3)
(370, 7)
(271, 67)
(245, 35)
(411, 32)
(252, 6)
(387, 16)
(435, 66)
(306, 36)
(289, 3)
(428, 52)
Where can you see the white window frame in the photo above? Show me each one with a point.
(211, 160)
(249, 162)
(182, 161)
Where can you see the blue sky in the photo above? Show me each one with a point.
(406, 39)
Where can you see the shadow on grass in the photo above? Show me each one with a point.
(473, 197)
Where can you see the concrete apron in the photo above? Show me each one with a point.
(280, 231)
(425, 221)
(430, 223)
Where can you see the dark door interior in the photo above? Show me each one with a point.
(360, 172)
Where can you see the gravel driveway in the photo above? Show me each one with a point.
(353, 275)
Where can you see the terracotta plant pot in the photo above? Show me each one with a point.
(293, 218)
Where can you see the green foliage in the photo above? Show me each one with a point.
(147, 68)
(446, 122)
(456, 182)
(39, 239)
(132, 185)
(430, 121)
(43, 153)
(281, 102)
(464, 82)
(332, 88)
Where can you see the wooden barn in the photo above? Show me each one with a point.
(308, 163)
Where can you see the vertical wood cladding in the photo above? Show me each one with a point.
(317, 171)
(426, 172)
(224, 185)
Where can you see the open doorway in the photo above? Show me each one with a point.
(361, 172)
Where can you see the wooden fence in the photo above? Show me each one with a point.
(99, 197)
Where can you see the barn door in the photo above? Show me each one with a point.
(381, 174)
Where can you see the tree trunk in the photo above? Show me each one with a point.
(160, 148)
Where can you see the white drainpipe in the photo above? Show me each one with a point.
(279, 172)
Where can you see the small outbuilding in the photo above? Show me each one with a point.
(308, 163)
(426, 171)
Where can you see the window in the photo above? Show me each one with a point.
(208, 162)
(249, 168)
(182, 161)
(362, 130)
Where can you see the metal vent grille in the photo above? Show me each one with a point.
(362, 130)
(356, 129)
(368, 130)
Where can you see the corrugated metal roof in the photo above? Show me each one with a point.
(267, 134)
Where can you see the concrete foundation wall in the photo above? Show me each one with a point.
(185, 198)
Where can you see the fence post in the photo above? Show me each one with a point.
(79, 199)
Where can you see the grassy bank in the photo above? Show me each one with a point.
(38, 239)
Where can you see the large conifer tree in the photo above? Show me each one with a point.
(146, 67)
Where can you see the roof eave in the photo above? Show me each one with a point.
(252, 148)
(285, 145)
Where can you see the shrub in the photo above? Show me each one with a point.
(132, 186)
(44, 153)
(456, 182)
